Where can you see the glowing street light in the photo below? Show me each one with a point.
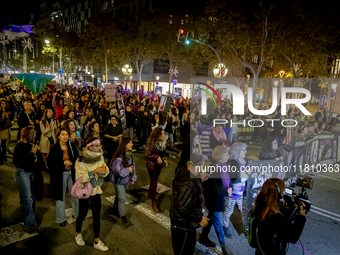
(220, 70)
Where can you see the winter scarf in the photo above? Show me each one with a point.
(90, 157)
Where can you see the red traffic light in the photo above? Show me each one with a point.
(182, 31)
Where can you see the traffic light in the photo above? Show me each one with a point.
(180, 35)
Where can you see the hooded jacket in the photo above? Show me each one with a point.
(186, 201)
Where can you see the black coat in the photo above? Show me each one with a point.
(186, 202)
(285, 233)
(141, 119)
(214, 192)
(56, 166)
(130, 120)
(213, 141)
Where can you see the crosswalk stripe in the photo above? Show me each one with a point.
(14, 234)
(165, 222)
(160, 188)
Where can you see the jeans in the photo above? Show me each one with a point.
(154, 174)
(119, 202)
(183, 241)
(96, 208)
(216, 220)
(60, 205)
(171, 140)
(27, 200)
(129, 132)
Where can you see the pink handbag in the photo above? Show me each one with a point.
(81, 193)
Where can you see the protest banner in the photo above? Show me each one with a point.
(165, 103)
(110, 92)
(204, 132)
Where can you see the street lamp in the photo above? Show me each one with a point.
(47, 42)
(220, 70)
(127, 70)
(157, 79)
(282, 73)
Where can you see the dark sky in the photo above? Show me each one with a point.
(19, 10)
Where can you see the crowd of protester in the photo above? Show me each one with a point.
(76, 134)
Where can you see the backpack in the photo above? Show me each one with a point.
(254, 223)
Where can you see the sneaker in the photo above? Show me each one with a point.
(227, 232)
(207, 242)
(100, 246)
(79, 240)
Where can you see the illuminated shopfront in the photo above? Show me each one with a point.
(183, 86)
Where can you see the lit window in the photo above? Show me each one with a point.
(105, 5)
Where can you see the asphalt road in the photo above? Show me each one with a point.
(150, 233)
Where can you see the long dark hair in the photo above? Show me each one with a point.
(90, 131)
(120, 152)
(154, 137)
(267, 147)
(27, 134)
(44, 118)
(266, 202)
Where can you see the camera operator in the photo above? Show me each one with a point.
(274, 230)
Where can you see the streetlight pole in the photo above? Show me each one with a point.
(105, 68)
(218, 57)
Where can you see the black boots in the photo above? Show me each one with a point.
(207, 242)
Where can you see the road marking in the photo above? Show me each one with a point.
(324, 176)
(325, 211)
(14, 234)
(165, 222)
(324, 215)
(160, 187)
(128, 199)
(69, 217)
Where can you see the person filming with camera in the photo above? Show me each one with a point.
(273, 230)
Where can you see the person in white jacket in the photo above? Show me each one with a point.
(48, 127)
(91, 166)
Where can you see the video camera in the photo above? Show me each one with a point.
(293, 201)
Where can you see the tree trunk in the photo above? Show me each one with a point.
(170, 78)
(255, 81)
(329, 96)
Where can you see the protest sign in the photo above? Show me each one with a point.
(110, 92)
(204, 132)
(165, 103)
